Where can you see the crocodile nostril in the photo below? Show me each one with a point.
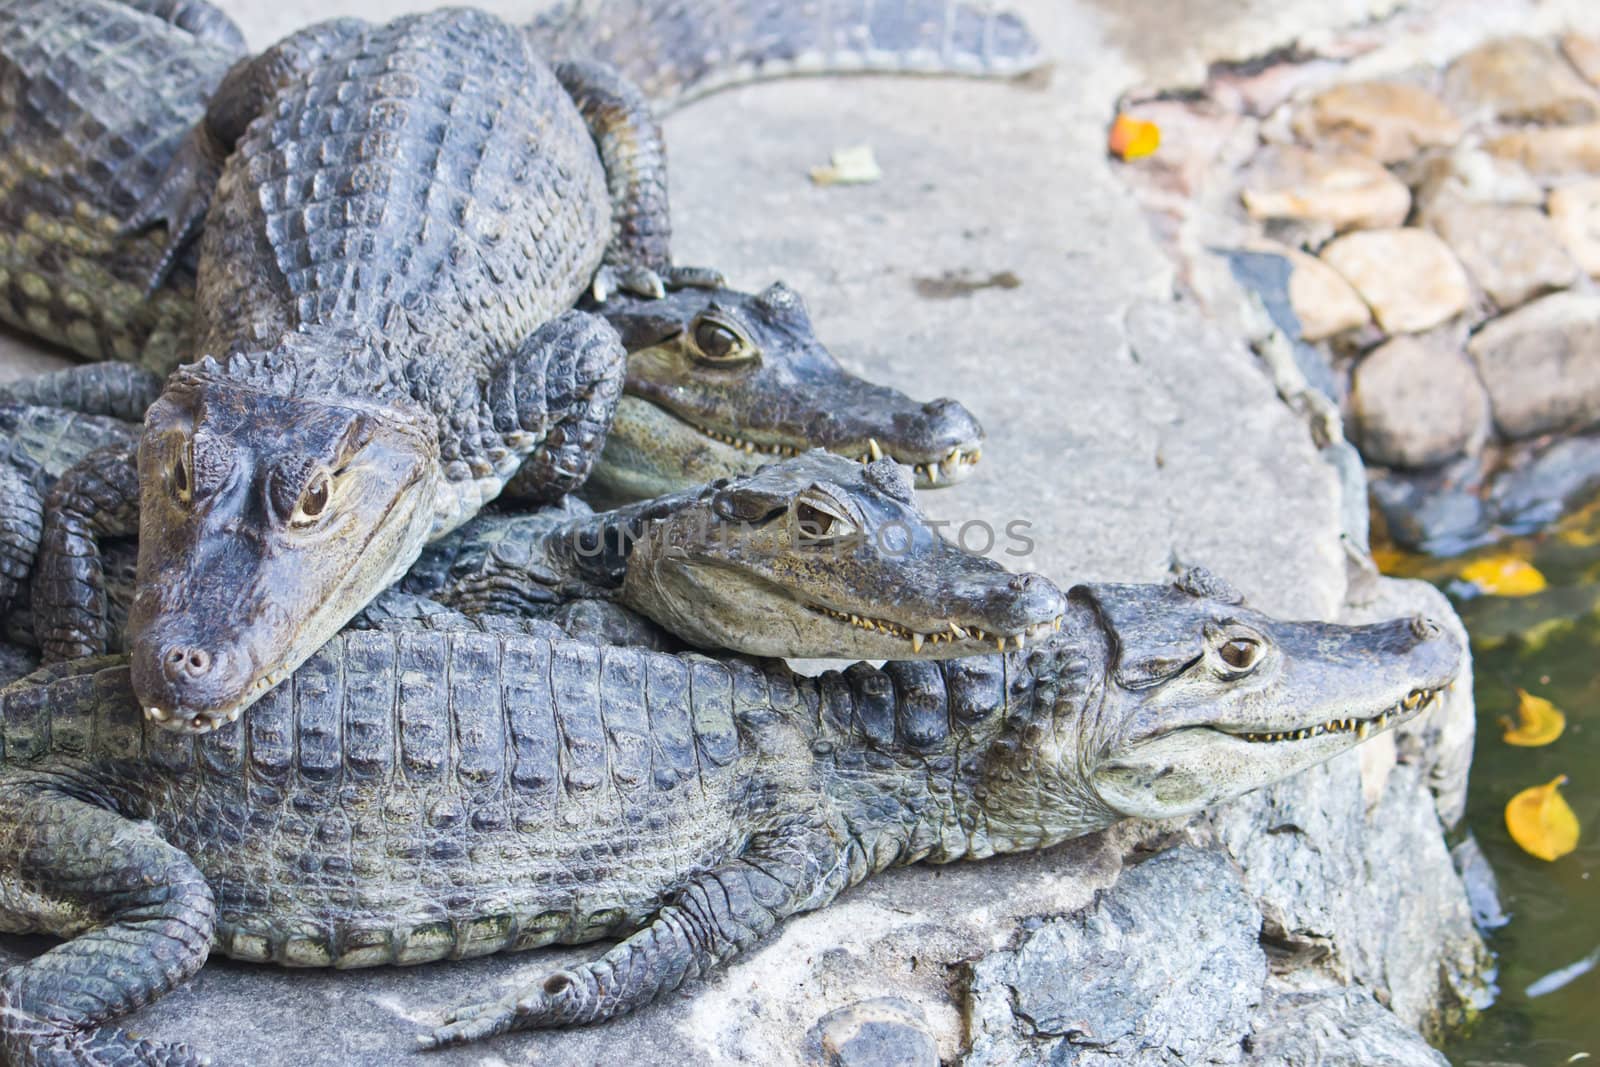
(182, 663)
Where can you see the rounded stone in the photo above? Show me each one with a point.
(1519, 79)
(1514, 253)
(1541, 365)
(1323, 302)
(1409, 278)
(1388, 121)
(1416, 402)
(1553, 153)
(1343, 189)
(882, 1032)
(1575, 214)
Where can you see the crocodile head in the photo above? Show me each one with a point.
(1203, 699)
(265, 523)
(821, 556)
(721, 382)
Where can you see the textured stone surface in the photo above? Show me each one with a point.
(1408, 276)
(1417, 402)
(1323, 301)
(1541, 365)
(1575, 212)
(1345, 190)
(882, 1032)
(1552, 153)
(1387, 121)
(1164, 968)
(1514, 253)
(1124, 428)
(1519, 79)
(1335, 1028)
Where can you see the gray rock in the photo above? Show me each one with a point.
(1335, 1028)
(1541, 365)
(1483, 889)
(1164, 968)
(1514, 253)
(882, 1032)
(1416, 402)
(1531, 494)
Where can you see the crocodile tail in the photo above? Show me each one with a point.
(680, 50)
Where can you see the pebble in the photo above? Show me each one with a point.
(1541, 365)
(1407, 276)
(1553, 153)
(1323, 302)
(882, 1032)
(1514, 253)
(1519, 79)
(1575, 213)
(1345, 190)
(1416, 402)
(1386, 121)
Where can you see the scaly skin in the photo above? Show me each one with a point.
(685, 804)
(687, 411)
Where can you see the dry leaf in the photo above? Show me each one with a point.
(849, 166)
(1539, 722)
(1133, 138)
(1541, 822)
(1504, 576)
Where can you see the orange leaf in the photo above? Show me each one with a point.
(1539, 722)
(1133, 138)
(1541, 822)
(1504, 576)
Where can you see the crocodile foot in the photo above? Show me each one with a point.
(543, 1004)
(46, 1044)
(653, 284)
(181, 200)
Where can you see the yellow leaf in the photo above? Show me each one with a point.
(1539, 722)
(1541, 822)
(1504, 576)
(855, 165)
(1133, 138)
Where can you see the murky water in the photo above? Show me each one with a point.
(1549, 645)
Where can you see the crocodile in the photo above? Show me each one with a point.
(107, 121)
(813, 556)
(682, 804)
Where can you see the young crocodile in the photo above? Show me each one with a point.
(91, 128)
(813, 556)
(411, 797)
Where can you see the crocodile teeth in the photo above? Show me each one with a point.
(872, 448)
(956, 630)
(916, 642)
(155, 714)
(1363, 730)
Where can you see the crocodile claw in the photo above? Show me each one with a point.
(473, 1022)
(180, 201)
(652, 284)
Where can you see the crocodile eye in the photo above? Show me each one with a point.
(1241, 653)
(818, 522)
(314, 500)
(718, 342)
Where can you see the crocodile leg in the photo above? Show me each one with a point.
(138, 912)
(184, 195)
(116, 390)
(562, 383)
(719, 914)
(206, 21)
(634, 153)
(97, 498)
(21, 526)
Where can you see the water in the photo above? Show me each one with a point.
(1548, 644)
